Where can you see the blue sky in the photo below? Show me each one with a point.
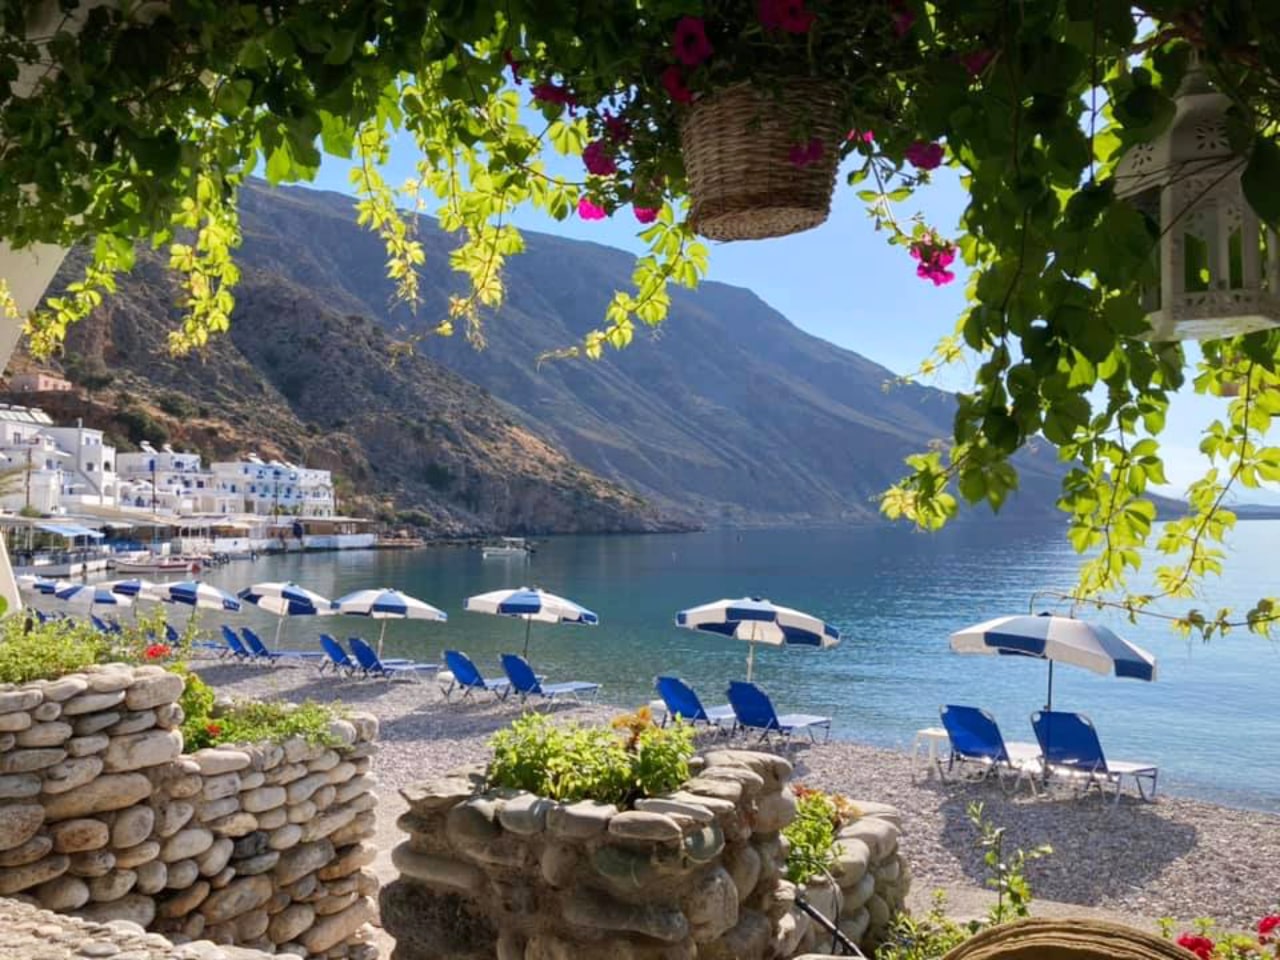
(844, 283)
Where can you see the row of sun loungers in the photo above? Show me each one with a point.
(749, 709)
(1067, 747)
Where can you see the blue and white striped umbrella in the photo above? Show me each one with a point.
(386, 604)
(286, 599)
(1058, 640)
(42, 585)
(92, 595)
(133, 587)
(193, 593)
(759, 621)
(530, 604)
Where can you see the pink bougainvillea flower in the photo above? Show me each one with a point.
(866, 136)
(789, 15)
(934, 255)
(618, 129)
(515, 66)
(924, 156)
(903, 19)
(1201, 946)
(976, 61)
(645, 214)
(1268, 926)
(804, 155)
(597, 159)
(690, 41)
(589, 210)
(551, 92)
(673, 82)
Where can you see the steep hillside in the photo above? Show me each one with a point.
(300, 377)
(730, 410)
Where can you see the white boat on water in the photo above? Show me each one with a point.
(506, 547)
(153, 563)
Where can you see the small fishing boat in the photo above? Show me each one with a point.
(153, 563)
(506, 547)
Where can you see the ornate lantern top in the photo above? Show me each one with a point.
(1195, 142)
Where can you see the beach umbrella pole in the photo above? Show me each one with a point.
(381, 635)
(528, 623)
(279, 625)
(1049, 707)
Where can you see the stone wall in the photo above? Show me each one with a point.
(102, 816)
(696, 873)
(29, 933)
(867, 885)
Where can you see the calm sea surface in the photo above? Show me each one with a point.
(1211, 721)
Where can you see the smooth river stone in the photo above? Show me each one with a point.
(347, 861)
(357, 785)
(65, 688)
(12, 722)
(84, 746)
(19, 786)
(29, 852)
(62, 894)
(26, 761)
(92, 703)
(301, 860)
(148, 749)
(331, 931)
(236, 825)
(52, 734)
(184, 901)
(134, 908)
(130, 827)
(639, 825)
(109, 680)
(186, 844)
(15, 879)
(152, 876)
(220, 786)
(132, 723)
(182, 874)
(148, 692)
(113, 886)
(239, 896)
(13, 701)
(92, 863)
(263, 798)
(217, 760)
(19, 823)
(74, 836)
(129, 857)
(172, 817)
(46, 712)
(71, 774)
(215, 809)
(290, 922)
(273, 819)
(108, 792)
(213, 860)
(282, 838)
(169, 715)
(326, 761)
(93, 723)
(581, 820)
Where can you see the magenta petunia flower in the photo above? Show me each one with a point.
(673, 82)
(934, 256)
(924, 156)
(550, 92)
(789, 15)
(903, 19)
(597, 159)
(588, 210)
(866, 136)
(619, 130)
(690, 41)
(644, 214)
(976, 61)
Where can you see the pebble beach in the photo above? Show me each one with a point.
(1177, 857)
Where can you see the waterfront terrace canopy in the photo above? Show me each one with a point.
(127, 123)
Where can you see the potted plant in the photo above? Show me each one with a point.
(750, 107)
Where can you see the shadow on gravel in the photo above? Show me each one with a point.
(1100, 851)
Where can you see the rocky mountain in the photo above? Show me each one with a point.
(407, 438)
(730, 411)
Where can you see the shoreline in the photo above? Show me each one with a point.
(1178, 857)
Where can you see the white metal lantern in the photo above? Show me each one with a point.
(1219, 265)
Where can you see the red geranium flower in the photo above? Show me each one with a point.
(690, 41)
(213, 729)
(1200, 945)
(673, 81)
(1267, 927)
(157, 651)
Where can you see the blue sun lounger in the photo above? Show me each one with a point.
(373, 666)
(527, 684)
(337, 659)
(235, 648)
(468, 679)
(1071, 748)
(259, 650)
(754, 711)
(976, 739)
(683, 704)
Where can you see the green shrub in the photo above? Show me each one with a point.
(811, 835)
(30, 650)
(574, 762)
(249, 722)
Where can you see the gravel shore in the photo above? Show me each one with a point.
(1177, 857)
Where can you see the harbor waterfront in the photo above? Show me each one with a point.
(895, 595)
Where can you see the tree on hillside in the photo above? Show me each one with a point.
(137, 121)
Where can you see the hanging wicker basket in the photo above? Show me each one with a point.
(737, 145)
(1074, 939)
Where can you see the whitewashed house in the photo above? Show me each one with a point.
(166, 481)
(32, 460)
(276, 489)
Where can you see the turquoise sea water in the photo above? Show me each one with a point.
(1211, 721)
